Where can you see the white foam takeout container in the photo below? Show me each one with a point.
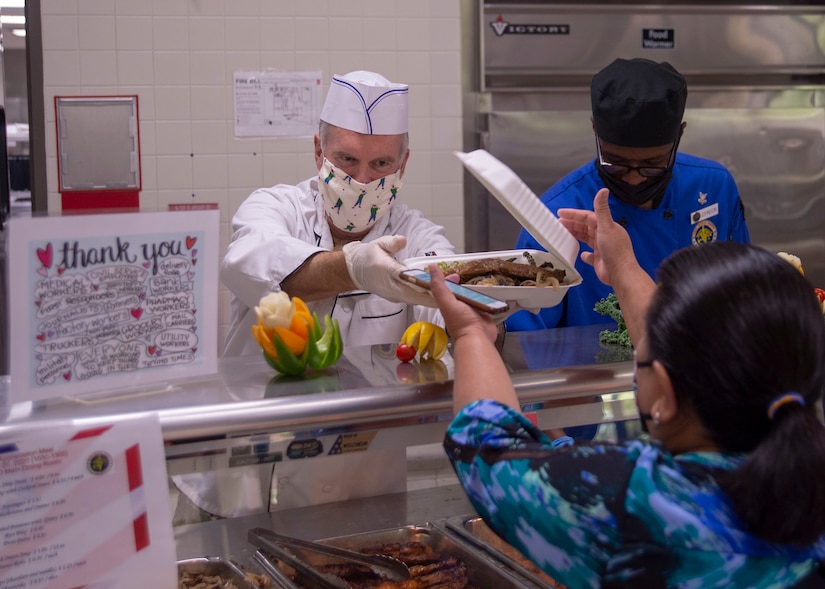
(527, 297)
(562, 248)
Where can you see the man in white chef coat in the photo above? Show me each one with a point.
(335, 241)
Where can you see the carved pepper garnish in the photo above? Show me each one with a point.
(291, 337)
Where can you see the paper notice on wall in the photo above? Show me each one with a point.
(105, 303)
(85, 506)
(272, 104)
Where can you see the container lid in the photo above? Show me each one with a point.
(523, 204)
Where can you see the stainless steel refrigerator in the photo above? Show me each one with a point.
(756, 102)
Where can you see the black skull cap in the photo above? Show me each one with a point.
(638, 102)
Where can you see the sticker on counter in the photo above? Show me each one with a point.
(305, 448)
(112, 302)
(250, 459)
(352, 442)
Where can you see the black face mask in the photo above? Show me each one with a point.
(638, 194)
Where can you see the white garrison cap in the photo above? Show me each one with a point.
(368, 103)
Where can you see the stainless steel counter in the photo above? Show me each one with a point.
(564, 375)
(247, 415)
(368, 386)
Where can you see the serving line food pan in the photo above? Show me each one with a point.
(214, 566)
(473, 529)
(482, 570)
(527, 297)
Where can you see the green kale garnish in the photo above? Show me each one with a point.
(609, 306)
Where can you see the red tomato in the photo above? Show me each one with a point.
(404, 352)
(820, 295)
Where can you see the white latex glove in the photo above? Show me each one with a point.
(373, 268)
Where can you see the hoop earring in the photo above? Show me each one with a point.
(656, 417)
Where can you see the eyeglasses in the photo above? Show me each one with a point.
(636, 365)
(644, 171)
(639, 364)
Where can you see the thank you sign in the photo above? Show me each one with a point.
(111, 302)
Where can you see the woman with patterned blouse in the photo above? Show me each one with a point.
(728, 488)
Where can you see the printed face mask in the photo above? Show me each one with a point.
(351, 205)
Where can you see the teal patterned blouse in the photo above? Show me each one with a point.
(613, 515)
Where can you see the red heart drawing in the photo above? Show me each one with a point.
(41, 336)
(60, 270)
(45, 256)
(194, 350)
(194, 261)
(190, 242)
(152, 350)
(37, 303)
(136, 313)
(68, 376)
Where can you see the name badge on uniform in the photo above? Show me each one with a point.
(703, 214)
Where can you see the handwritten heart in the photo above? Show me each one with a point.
(67, 376)
(145, 264)
(50, 333)
(45, 256)
(60, 270)
(194, 350)
(136, 313)
(37, 303)
(152, 350)
(42, 272)
(190, 275)
(142, 296)
(41, 336)
(95, 286)
(194, 261)
(190, 243)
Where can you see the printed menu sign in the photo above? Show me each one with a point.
(85, 507)
(111, 302)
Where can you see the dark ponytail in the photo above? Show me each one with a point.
(779, 490)
(737, 327)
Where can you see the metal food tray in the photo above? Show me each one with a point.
(216, 566)
(473, 529)
(482, 570)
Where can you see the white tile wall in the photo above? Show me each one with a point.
(178, 56)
